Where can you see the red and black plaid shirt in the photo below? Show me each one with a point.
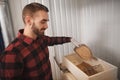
(28, 59)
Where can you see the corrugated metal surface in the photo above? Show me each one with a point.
(64, 22)
(5, 21)
(94, 22)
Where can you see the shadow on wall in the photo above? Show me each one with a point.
(104, 47)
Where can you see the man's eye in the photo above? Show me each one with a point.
(43, 22)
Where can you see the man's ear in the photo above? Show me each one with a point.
(28, 20)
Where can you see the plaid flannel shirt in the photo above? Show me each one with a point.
(28, 59)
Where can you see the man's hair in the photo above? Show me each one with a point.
(31, 8)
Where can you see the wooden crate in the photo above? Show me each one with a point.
(109, 72)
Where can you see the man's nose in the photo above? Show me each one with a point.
(46, 26)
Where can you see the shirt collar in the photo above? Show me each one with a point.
(26, 39)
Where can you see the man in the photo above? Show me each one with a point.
(27, 57)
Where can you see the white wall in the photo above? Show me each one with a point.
(100, 26)
(5, 22)
(93, 22)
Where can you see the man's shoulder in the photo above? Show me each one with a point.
(12, 48)
(13, 44)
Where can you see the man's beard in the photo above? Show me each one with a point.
(37, 31)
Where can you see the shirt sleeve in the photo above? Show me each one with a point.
(56, 40)
(10, 66)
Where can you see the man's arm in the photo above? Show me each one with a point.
(10, 66)
(56, 40)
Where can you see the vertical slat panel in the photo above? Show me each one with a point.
(67, 13)
(15, 7)
(50, 33)
(64, 14)
(29, 1)
(57, 31)
(68, 21)
(73, 19)
(63, 23)
(62, 31)
(23, 3)
(52, 54)
(3, 22)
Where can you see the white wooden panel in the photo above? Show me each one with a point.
(6, 24)
(23, 3)
(64, 24)
(16, 12)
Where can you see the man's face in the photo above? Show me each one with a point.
(40, 20)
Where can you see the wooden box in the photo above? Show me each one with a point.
(109, 71)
